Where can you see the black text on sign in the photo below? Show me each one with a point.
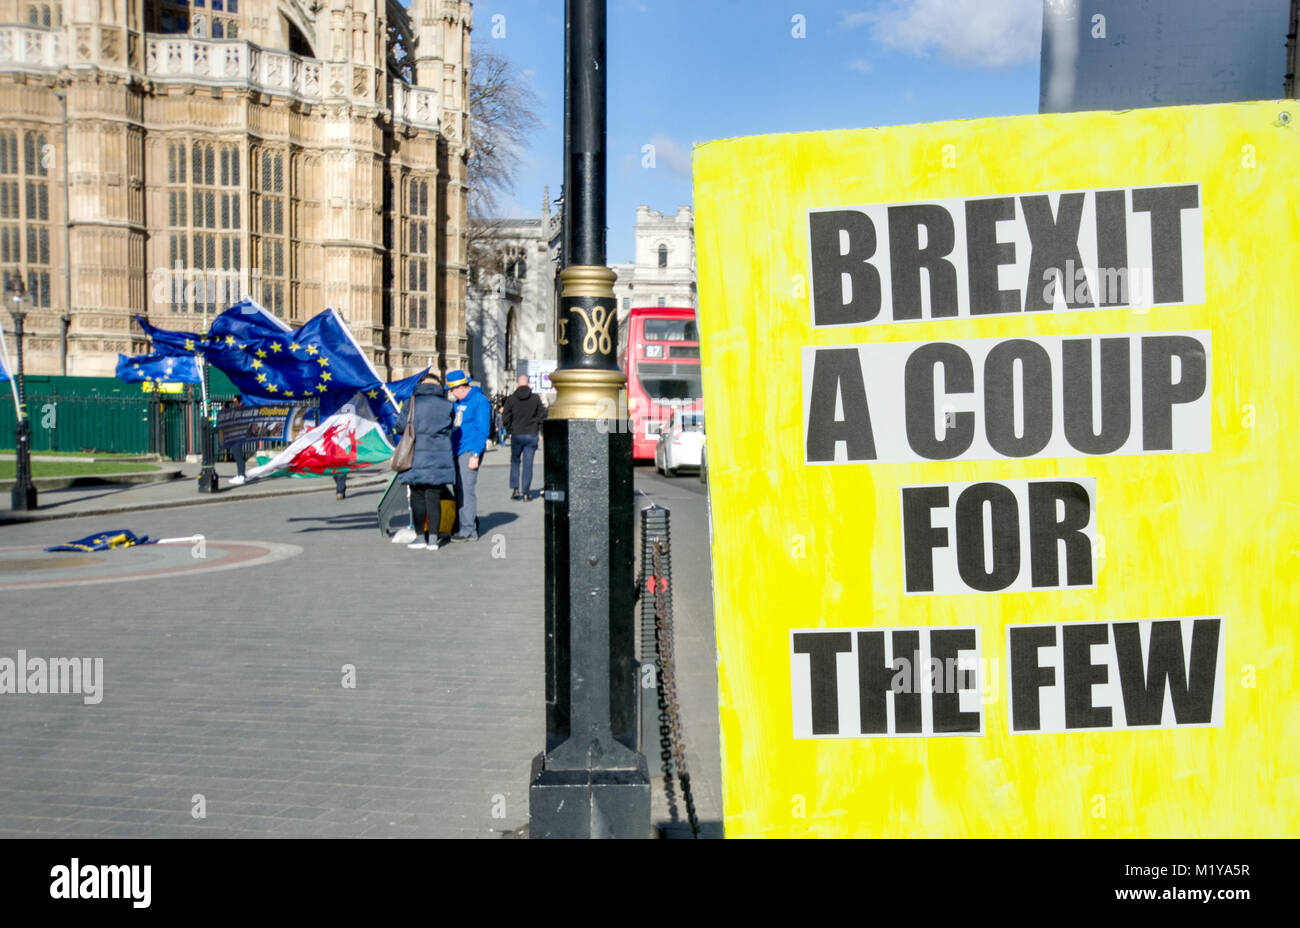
(1036, 252)
(886, 682)
(1008, 398)
(1080, 676)
(999, 536)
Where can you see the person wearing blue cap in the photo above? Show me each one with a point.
(469, 441)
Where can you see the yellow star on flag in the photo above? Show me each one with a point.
(270, 388)
(324, 375)
(189, 344)
(288, 393)
(230, 339)
(373, 394)
(242, 347)
(275, 346)
(261, 378)
(323, 361)
(256, 364)
(261, 353)
(320, 387)
(294, 346)
(312, 349)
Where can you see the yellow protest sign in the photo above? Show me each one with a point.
(1002, 426)
(147, 386)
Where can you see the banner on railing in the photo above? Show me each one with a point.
(238, 425)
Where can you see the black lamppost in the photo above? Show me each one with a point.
(23, 495)
(590, 782)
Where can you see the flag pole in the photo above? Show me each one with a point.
(13, 381)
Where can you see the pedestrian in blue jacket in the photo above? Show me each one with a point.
(469, 440)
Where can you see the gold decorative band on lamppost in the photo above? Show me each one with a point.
(588, 384)
(585, 393)
(587, 280)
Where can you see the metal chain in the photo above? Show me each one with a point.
(665, 734)
(668, 685)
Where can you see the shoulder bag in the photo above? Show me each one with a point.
(404, 454)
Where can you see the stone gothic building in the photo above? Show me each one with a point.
(186, 153)
(511, 313)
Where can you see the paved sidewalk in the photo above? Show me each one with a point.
(227, 684)
(236, 685)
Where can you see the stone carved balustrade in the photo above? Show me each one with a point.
(233, 62)
(415, 106)
(30, 48)
(223, 62)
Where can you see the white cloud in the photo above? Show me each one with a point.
(861, 65)
(675, 156)
(984, 33)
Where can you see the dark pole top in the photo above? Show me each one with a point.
(566, 189)
(584, 198)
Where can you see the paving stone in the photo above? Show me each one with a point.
(228, 683)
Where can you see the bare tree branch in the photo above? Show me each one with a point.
(503, 113)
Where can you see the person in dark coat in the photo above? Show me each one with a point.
(240, 451)
(523, 415)
(433, 466)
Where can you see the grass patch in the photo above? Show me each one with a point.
(9, 469)
(80, 454)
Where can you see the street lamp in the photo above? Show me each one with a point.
(23, 495)
(590, 781)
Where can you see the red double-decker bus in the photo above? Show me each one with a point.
(662, 359)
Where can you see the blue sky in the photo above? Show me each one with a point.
(689, 71)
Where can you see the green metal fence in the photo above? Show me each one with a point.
(76, 417)
(116, 424)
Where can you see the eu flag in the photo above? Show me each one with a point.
(156, 367)
(267, 360)
(167, 342)
(103, 541)
(245, 320)
(4, 359)
(262, 357)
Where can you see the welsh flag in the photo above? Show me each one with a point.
(345, 441)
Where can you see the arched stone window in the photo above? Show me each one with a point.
(416, 279)
(663, 255)
(29, 177)
(38, 14)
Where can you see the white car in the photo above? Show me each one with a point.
(681, 442)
